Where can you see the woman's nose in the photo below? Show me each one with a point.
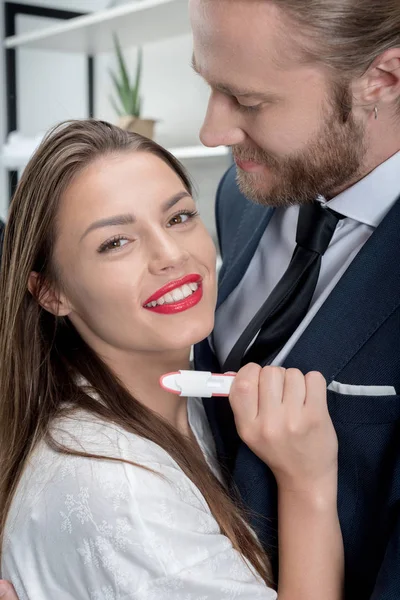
(167, 253)
(220, 126)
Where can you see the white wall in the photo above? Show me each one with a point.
(52, 87)
(172, 92)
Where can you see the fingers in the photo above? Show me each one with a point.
(244, 395)
(294, 392)
(272, 380)
(316, 394)
(272, 392)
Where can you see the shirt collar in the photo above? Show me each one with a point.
(369, 200)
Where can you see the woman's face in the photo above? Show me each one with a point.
(136, 263)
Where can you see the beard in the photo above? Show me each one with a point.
(332, 159)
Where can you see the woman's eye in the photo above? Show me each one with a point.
(182, 218)
(179, 219)
(113, 244)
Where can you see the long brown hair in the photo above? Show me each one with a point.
(42, 355)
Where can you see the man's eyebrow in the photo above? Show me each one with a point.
(129, 219)
(230, 90)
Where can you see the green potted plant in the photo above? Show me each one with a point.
(128, 101)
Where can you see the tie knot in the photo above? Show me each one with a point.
(316, 226)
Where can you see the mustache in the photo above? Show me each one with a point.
(256, 155)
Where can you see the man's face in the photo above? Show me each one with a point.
(292, 132)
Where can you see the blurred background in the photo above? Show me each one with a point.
(123, 61)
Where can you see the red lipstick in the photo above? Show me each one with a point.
(179, 305)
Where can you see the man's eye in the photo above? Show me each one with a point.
(253, 108)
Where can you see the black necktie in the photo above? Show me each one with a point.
(289, 301)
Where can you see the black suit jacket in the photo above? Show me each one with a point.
(353, 339)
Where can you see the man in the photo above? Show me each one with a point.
(307, 95)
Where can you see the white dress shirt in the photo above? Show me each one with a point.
(364, 205)
(86, 529)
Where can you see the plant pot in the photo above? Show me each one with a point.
(136, 125)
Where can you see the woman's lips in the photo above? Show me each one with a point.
(180, 305)
(249, 165)
(173, 285)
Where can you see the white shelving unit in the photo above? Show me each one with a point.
(137, 23)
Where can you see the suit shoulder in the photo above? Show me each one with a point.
(236, 215)
(230, 208)
(230, 202)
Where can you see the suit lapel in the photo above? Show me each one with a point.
(250, 230)
(362, 300)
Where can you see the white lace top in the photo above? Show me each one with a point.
(86, 529)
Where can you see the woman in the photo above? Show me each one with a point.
(109, 484)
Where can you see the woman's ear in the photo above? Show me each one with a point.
(48, 298)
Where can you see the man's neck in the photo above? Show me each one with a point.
(372, 161)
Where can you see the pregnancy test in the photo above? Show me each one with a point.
(202, 384)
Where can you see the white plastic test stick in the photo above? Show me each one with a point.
(201, 384)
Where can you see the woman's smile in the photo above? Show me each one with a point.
(176, 296)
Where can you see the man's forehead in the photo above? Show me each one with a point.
(227, 86)
(253, 34)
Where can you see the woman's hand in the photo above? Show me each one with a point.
(283, 417)
(7, 591)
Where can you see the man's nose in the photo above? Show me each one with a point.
(221, 125)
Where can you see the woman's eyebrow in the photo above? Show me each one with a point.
(174, 200)
(126, 219)
(129, 218)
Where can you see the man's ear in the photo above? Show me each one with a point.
(380, 85)
(48, 298)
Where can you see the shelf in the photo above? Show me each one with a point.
(16, 161)
(136, 23)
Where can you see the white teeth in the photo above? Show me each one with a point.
(177, 294)
(168, 298)
(186, 290)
